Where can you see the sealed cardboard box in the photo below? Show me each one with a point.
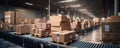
(10, 17)
(58, 18)
(43, 26)
(18, 18)
(20, 29)
(110, 29)
(63, 36)
(40, 32)
(60, 28)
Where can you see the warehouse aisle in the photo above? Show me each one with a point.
(93, 36)
(7, 44)
(89, 37)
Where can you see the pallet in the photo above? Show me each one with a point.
(21, 33)
(35, 35)
(65, 43)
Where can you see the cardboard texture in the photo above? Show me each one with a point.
(63, 36)
(110, 29)
(22, 29)
(18, 18)
(10, 17)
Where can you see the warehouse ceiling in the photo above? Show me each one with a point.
(92, 8)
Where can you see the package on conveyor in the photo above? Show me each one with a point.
(64, 36)
(22, 29)
(56, 20)
(43, 26)
(59, 23)
(41, 32)
(110, 29)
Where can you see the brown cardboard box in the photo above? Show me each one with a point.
(32, 31)
(33, 26)
(20, 29)
(114, 19)
(63, 36)
(43, 26)
(10, 17)
(58, 18)
(96, 19)
(40, 32)
(60, 28)
(18, 18)
(37, 21)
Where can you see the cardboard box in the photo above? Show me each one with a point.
(43, 26)
(22, 29)
(58, 18)
(18, 18)
(10, 17)
(63, 36)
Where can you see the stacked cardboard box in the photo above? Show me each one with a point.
(110, 29)
(22, 29)
(84, 24)
(12, 17)
(63, 37)
(59, 23)
(76, 26)
(9, 17)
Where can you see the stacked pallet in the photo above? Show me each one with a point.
(59, 23)
(60, 30)
(76, 25)
(40, 29)
(111, 31)
(63, 37)
(22, 29)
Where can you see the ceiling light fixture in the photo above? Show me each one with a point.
(74, 6)
(65, 1)
(28, 3)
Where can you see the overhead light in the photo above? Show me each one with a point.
(28, 3)
(65, 1)
(82, 9)
(46, 8)
(74, 6)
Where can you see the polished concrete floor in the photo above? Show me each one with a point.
(7, 44)
(93, 36)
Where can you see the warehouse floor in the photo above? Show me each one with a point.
(93, 36)
(7, 44)
(88, 40)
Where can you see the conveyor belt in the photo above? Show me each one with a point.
(35, 43)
